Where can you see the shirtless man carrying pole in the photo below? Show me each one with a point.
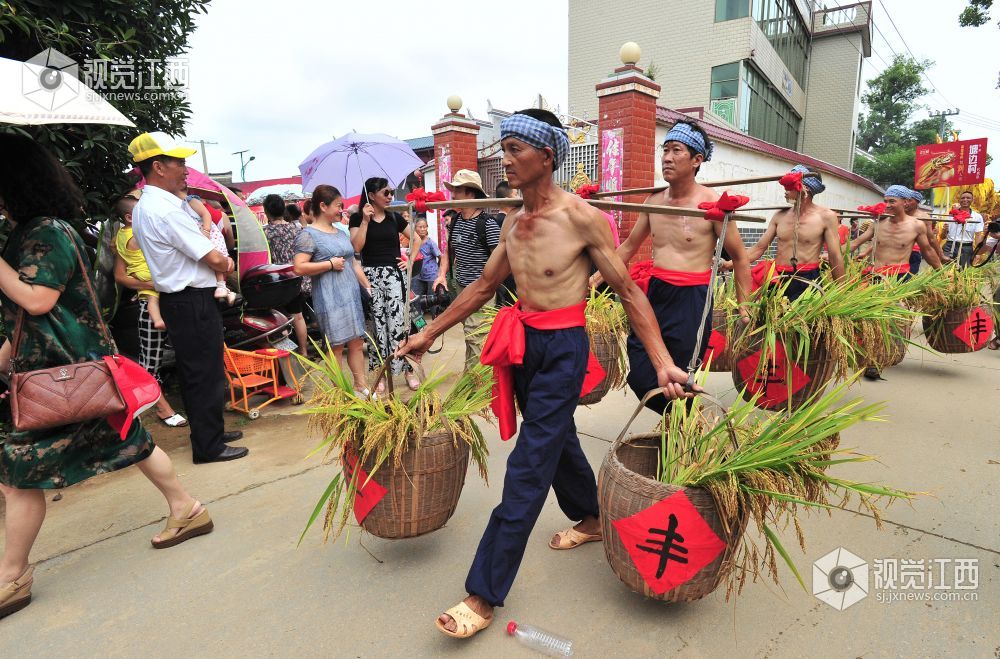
(912, 206)
(676, 280)
(539, 350)
(801, 238)
(895, 237)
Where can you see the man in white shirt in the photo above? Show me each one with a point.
(183, 264)
(962, 236)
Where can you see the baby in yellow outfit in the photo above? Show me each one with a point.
(136, 266)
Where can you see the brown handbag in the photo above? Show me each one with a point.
(63, 395)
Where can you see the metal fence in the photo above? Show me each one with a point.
(491, 168)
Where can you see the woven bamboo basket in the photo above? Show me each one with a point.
(723, 361)
(423, 490)
(899, 347)
(626, 486)
(940, 330)
(606, 349)
(819, 367)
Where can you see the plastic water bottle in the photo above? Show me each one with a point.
(541, 640)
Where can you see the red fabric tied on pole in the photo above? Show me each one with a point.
(876, 209)
(419, 198)
(669, 542)
(643, 271)
(137, 387)
(505, 346)
(960, 215)
(727, 203)
(587, 191)
(976, 330)
(888, 270)
(369, 491)
(792, 181)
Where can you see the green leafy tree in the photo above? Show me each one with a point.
(91, 30)
(976, 14)
(886, 130)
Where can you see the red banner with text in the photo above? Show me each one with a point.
(950, 163)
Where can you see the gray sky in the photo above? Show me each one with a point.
(282, 78)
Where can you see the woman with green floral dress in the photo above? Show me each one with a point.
(41, 277)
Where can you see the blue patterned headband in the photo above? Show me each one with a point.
(915, 195)
(536, 133)
(814, 184)
(898, 191)
(688, 136)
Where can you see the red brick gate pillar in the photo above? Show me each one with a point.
(627, 132)
(455, 148)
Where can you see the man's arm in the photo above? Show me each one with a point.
(831, 235)
(929, 253)
(741, 260)
(757, 251)
(127, 280)
(629, 246)
(471, 300)
(863, 238)
(600, 247)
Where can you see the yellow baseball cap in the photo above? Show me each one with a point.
(148, 145)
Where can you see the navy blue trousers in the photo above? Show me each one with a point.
(797, 287)
(547, 454)
(678, 310)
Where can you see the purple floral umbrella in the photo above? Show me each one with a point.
(346, 163)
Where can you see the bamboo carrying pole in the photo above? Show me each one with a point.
(652, 209)
(710, 184)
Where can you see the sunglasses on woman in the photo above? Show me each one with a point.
(387, 192)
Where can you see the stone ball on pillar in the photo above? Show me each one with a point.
(630, 53)
(454, 102)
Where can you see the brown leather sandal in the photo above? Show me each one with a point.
(16, 595)
(186, 528)
(571, 539)
(467, 621)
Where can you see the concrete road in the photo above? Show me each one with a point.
(248, 590)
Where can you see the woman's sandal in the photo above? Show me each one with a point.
(174, 421)
(571, 539)
(186, 528)
(16, 595)
(467, 621)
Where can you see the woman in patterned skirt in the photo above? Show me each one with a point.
(41, 277)
(375, 234)
(325, 253)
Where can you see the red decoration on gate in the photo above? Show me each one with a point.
(976, 330)
(770, 380)
(716, 345)
(669, 542)
(369, 491)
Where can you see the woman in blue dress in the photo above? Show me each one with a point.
(325, 253)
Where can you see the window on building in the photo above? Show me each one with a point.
(725, 89)
(764, 114)
(781, 23)
(727, 10)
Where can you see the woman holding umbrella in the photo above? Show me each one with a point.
(375, 233)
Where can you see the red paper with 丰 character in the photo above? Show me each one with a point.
(976, 330)
(369, 491)
(771, 380)
(669, 542)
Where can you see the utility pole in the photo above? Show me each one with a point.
(243, 165)
(944, 114)
(204, 156)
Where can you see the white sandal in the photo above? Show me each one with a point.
(175, 421)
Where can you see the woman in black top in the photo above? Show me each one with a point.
(375, 234)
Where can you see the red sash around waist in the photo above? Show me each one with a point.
(888, 269)
(505, 348)
(759, 272)
(643, 271)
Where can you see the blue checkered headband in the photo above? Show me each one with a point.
(814, 184)
(916, 195)
(898, 191)
(688, 136)
(536, 133)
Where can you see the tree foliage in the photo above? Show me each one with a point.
(976, 14)
(886, 129)
(135, 31)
